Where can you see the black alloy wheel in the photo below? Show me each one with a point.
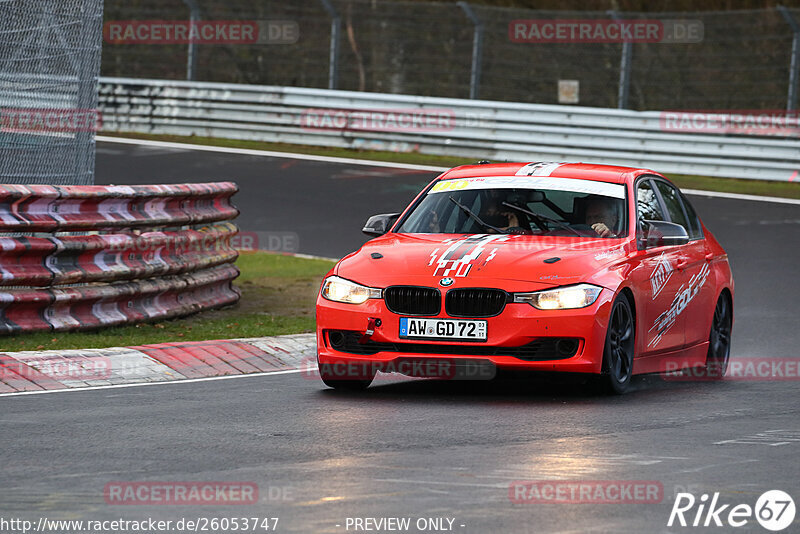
(619, 349)
(719, 341)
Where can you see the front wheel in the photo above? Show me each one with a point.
(352, 378)
(719, 340)
(619, 348)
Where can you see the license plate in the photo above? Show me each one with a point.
(411, 327)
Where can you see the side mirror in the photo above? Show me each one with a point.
(380, 224)
(663, 234)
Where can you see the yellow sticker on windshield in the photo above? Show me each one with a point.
(450, 185)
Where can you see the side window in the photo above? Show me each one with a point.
(674, 205)
(696, 232)
(647, 203)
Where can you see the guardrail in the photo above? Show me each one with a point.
(84, 257)
(472, 129)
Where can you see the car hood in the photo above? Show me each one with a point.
(513, 262)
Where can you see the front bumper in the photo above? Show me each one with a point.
(517, 326)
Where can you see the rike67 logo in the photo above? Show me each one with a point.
(774, 510)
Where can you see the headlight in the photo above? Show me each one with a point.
(561, 298)
(341, 290)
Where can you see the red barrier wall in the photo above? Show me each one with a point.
(153, 252)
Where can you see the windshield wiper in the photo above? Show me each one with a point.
(540, 218)
(475, 217)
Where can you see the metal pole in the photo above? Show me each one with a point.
(477, 50)
(336, 30)
(191, 59)
(87, 72)
(794, 65)
(624, 69)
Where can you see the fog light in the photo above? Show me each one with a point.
(336, 339)
(567, 347)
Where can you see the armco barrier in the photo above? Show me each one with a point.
(44, 208)
(143, 253)
(472, 129)
(45, 261)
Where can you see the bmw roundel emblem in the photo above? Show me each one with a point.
(446, 282)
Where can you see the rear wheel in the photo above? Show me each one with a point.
(619, 348)
(719, 340)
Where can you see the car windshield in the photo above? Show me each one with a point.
(521, 205)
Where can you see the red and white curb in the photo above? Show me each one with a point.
(34, 371)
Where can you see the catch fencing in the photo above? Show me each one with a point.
(724, 59)
(49, 66)
(83, 257)
(472, 129)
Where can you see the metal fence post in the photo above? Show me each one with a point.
(191, 60)
(794, 65)
(336, 30)
(87, 72)
(477, 50)
(624, 69)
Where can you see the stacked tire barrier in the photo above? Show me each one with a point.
(83, 257)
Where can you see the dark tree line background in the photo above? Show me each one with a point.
(424, 48)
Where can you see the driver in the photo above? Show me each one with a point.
(496, 214)
(601, 216)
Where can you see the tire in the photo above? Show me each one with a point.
(355, 383)
(719, 339)
(619, 348)
(348, 385)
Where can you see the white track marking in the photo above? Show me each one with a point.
(311, 257)
(268, 153)
(740, 196)
(181, 381)
(374, 163)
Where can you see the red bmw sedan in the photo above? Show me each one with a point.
(578, 268)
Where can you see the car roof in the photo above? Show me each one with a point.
(583, 171)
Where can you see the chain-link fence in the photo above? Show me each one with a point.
(739, 60)
(49, 64)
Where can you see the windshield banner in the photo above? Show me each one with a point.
(532, 182)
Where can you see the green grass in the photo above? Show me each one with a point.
(706, 183)
(278, 297)
(258, 265)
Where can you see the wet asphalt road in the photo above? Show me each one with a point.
(408, 448)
